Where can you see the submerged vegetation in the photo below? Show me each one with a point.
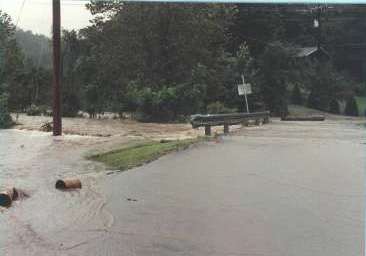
(141, 153)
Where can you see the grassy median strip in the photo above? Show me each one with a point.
(142, 153)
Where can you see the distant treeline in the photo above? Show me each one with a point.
(164, 61)
(36, 48)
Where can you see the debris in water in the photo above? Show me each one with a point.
(6, 197)
(68, 184)
(9, 195)
(165, 141)
(47, 127)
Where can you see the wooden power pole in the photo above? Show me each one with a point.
(56, 37)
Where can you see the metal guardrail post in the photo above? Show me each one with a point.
(208, 130)
(226, 128)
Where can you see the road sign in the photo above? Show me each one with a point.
(241, 89)
(244, 89)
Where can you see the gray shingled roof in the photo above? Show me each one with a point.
(306, 51)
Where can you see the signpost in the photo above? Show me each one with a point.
(244, 89)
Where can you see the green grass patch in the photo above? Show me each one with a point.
(297, 110)
(142, 153)
(361, 105)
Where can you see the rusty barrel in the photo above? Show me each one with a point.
(68, 184)
(7, 196)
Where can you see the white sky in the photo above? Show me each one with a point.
(36, 15)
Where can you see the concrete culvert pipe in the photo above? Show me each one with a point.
(68, 184)
(7, 196)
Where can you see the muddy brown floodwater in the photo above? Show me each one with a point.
(294, 188)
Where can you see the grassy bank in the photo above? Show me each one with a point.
(142, 153)
(361, 105)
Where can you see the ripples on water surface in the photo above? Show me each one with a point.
(33, 161)
(306, 199)
(28, 156)
(18, 150)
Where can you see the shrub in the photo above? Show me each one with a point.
(93, 96)
(34, 110)
(47, 127)
(5, 118)
(191, 98)
(334, 107)
(296, 97)
(157, 105)
(351, 107)
(70, 105)
(315, 101)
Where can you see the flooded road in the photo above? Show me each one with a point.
(281, 189)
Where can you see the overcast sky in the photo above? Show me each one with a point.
(36, 15)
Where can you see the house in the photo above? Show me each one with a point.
(314, 52)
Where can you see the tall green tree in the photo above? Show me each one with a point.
(71, 92)
(156, 46)
(276, 72)
(6, 30)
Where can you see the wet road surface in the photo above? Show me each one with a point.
(281, 189)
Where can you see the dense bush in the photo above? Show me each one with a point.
(296, 97)
(157, 105)
(166, 103)
(5, 118)
(316, 101)
(351, 107)
(334, 107)
(34, 110)
(70, 105)
(93, 99)
(326, 84)
(360, 89)
(190, 97)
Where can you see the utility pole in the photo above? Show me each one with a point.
(317, 25)
(56, 37)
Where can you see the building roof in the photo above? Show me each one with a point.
(307, 51)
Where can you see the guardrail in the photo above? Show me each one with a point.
(227, 119)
